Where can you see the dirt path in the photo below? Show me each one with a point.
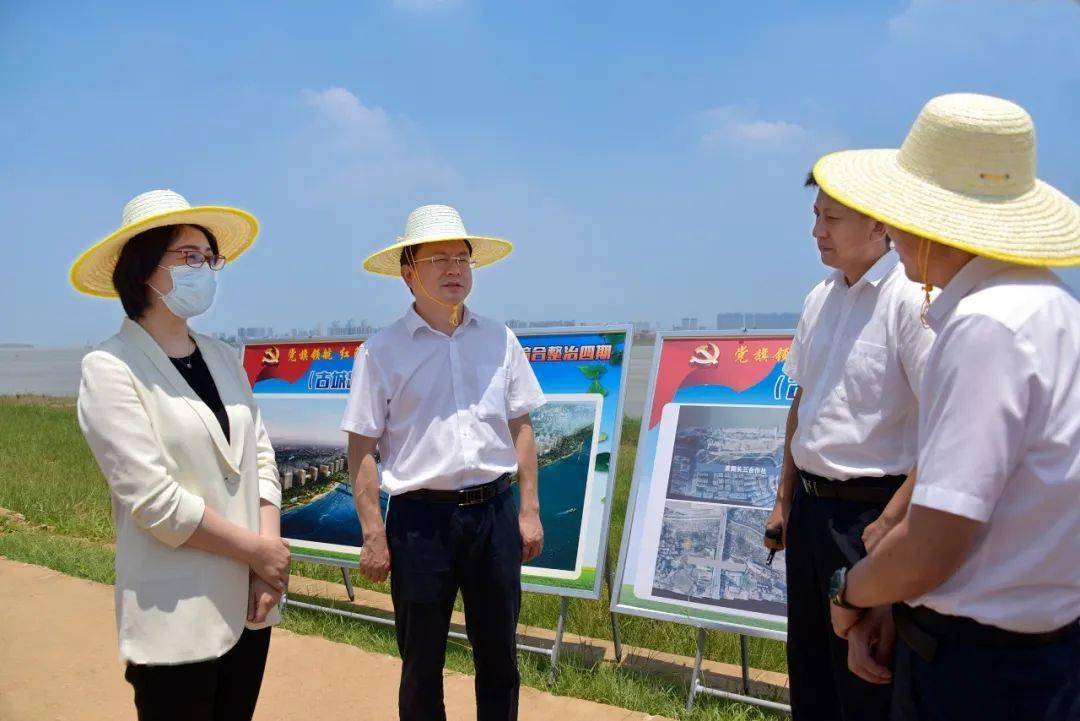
(58, 662)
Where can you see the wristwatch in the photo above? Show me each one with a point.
(837, 587)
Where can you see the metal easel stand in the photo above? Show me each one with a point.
(616, 635)
(697, 687)
(552, 653)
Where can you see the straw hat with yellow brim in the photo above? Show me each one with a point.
(964, 177)
(433, 224)
(234, 229)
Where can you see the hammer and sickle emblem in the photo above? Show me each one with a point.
(706, 355)
(271, 356)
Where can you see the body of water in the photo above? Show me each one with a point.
(562, 502)
(41, 371)
(330, 518)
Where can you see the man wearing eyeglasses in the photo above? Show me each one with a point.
(445, 396)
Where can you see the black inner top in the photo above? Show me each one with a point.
(195, 372)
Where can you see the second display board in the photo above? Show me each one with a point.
(709, 459)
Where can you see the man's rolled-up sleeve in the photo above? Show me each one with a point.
(523, 392)
(365, 412)
(791, 364)
(120, 435)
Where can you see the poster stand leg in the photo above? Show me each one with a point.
(744, 657)
(696, 686)
(696, 676)
(348, 583)
(616, 636)
(564, 605)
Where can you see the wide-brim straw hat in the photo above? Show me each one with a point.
(234, 229)
(965, 177)
(434, 224)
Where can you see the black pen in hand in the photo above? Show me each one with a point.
(772, 534)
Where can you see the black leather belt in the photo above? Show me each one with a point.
(860, 490)
(923, 629)
(466, 496)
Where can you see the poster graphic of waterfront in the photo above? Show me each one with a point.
(317, 513)
(567, 429)
(709, 461)
(577, 369)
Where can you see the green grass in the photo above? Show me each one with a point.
(47, 472)
(48, 475)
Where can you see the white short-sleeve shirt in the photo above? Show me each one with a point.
(440, 404)
(999, 442)
(858, 356)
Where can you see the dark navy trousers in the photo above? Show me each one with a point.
(967, 681)
(822, 535)
(437, 549)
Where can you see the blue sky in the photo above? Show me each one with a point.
(646, 158)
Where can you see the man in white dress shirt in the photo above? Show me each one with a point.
(987, 561)
(857, 356)
(445, 395)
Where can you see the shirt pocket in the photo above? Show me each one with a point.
(491, 382)
(864, 377)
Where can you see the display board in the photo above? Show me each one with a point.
(583, 374)
(708, 464)
(302, 388)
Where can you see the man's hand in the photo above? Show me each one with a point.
(262, 597)
(874, 532)
(778, 519)
(532, 535)
(843, 619)
(870, 646)
(375, 557)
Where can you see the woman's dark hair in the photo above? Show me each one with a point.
(138, 259)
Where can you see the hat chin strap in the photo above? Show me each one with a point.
(924, 270)
(455, 308)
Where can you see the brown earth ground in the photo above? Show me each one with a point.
(58, 662)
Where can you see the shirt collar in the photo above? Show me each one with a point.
(874, 274)
(975, 272)
(413, 321)
(880, 269)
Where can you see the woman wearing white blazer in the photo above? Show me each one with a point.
(173, 424)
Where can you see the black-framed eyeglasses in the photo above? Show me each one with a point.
(442, 262)
(196, 258)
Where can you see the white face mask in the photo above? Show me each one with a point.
(192, 290)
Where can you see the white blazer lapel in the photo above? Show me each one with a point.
(133, 333)
(225, 380)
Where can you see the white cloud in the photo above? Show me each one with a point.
(736, 126)
(990, 29)
(359, 147)
(359, 124)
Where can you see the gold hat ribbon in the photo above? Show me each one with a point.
(924, 269)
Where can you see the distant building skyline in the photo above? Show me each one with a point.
(350, 327)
